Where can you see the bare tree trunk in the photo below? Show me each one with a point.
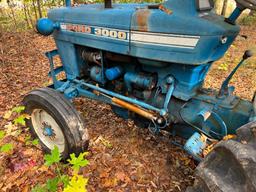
(30, 17)
(224, 8)
(2, 12)
(8, 14)
(39, 9)
(1, 27)
(26, 15)
(13, 16)
(218, 6)
(34, 7)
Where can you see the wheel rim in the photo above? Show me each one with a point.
(47, 129)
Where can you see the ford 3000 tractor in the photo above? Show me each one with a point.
(149, 62)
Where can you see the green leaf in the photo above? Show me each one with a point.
(52, 184)
(77, 184)
(18, 109)
(79, 161)
(39, 188)
(35, 142)
(6, 147)
(52, 158)
(65, 180)
(27, 140)
(2, 134)
(21, 119)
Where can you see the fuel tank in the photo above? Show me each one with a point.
(175, 31)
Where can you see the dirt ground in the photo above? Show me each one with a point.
(134, 160)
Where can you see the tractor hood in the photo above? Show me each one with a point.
(175, 31)
(181, 18)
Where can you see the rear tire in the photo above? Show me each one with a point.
(231, 166)
(55, 122)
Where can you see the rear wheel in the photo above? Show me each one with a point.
(55, 122)
(231, 166)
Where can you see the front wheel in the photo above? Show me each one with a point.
(55, 122)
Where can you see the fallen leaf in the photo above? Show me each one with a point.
(7, 114)
(110, 182)
(26, 189)
(121, 176)
(104, 174)
(11, 129)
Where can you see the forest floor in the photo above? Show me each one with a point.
(133, 159)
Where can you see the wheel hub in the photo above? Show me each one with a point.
(47, 130)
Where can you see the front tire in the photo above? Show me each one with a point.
(55, 122)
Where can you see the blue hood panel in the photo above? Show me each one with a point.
(174, 32)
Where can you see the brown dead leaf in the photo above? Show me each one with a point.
(11, 129)
(26, 189)
(104, 174)
(43, 168)
(121, 176)
(7, 114)
(110, 182)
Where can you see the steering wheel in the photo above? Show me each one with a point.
(249, 4)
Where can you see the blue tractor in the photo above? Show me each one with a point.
(149, 62)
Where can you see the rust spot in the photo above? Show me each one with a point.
(142, 16)
(164, 9)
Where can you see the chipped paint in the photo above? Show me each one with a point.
(142, 16)
(166, 10)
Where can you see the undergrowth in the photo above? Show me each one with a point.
(67, 183)
(73, 183)
(248, 20)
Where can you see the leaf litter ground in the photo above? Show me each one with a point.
(122, 156)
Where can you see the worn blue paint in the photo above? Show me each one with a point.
(188, 78)
(224, 86)
(164, 77)
(206, 123)
(46, 26)
(234, 115)
(195, 145)
(113, 73)
(253, 114)
(68, 3)
(97, 75)
(142, 81)
(53, 71)
(210, 28)
(170, 82)
(110, 93)
(48, 131)
(184, 20)
(234, 16)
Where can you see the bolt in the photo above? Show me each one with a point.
(169, 80)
